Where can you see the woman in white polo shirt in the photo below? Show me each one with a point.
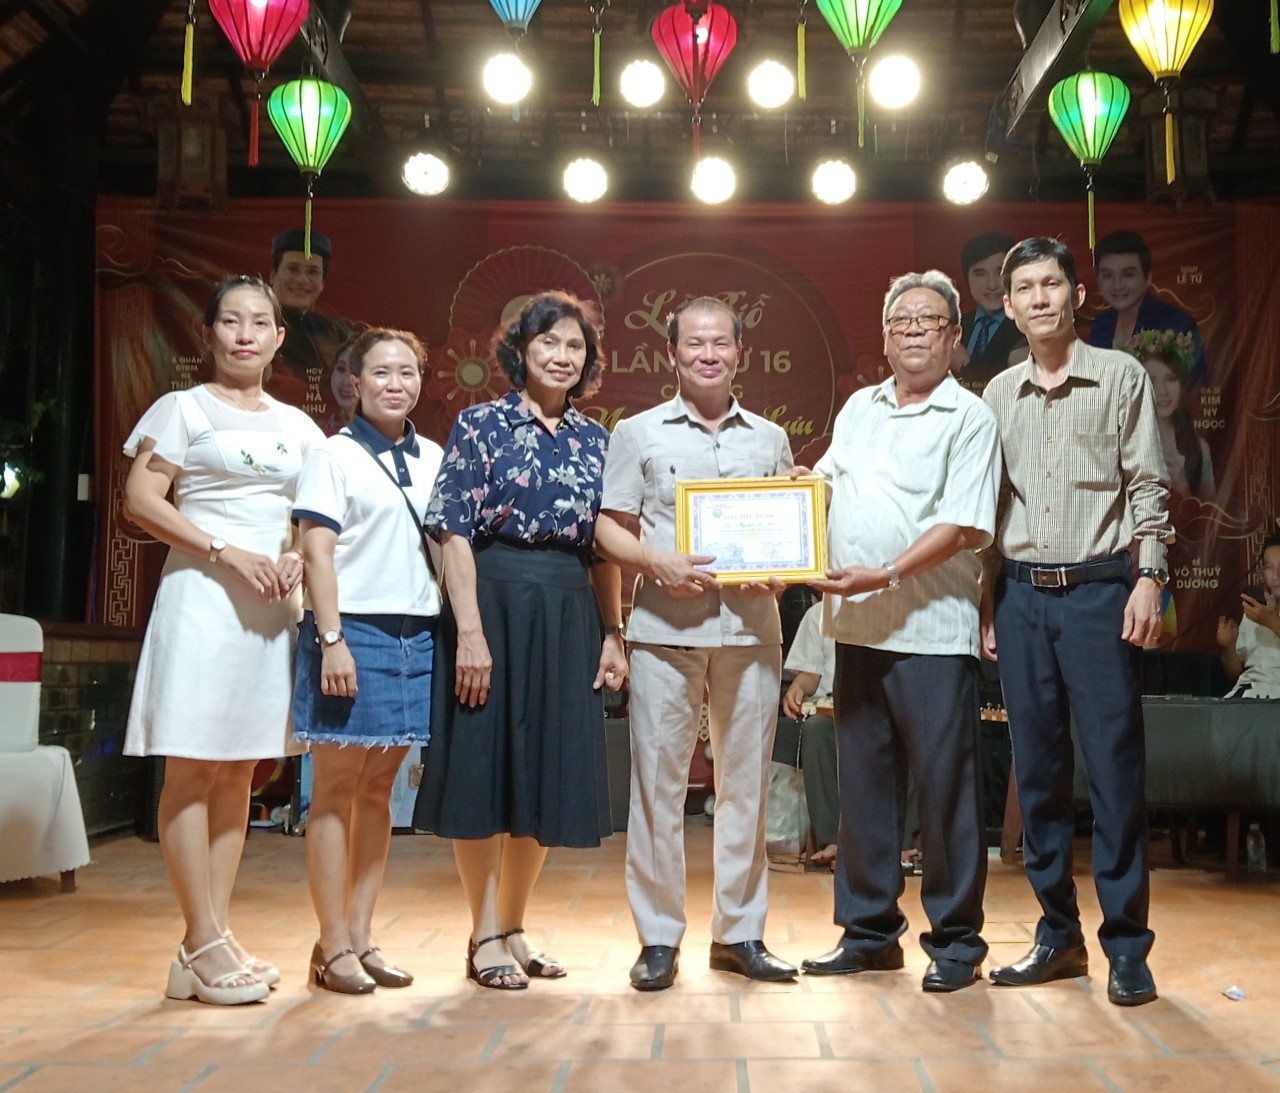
(365, 647)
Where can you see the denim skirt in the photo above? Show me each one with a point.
(392, 705)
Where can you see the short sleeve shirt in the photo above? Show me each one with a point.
(648, 454)
(506, 476)
(811, 652)
(1259, 648)
(896, 472)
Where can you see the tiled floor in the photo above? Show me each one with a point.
(81, 1004)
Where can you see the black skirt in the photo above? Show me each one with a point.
(530, 762)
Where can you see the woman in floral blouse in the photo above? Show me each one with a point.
(516, 761)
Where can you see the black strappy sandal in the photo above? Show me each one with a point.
(538, 965)
(492, 977)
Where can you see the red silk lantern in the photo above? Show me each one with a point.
(694, 39)
(258, 31)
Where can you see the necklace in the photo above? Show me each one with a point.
(228, 397)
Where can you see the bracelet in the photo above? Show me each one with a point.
(610, 631)
(895, 582)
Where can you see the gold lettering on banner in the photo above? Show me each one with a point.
(653, 315)
(182, 371)
(1190, 275)
(608, 418)
(795, 426)
(1197, 575)
(314, 397)
(1210, 405)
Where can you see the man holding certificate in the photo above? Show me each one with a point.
(914, 465)
(690, 637)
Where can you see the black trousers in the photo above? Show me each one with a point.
(1062, 657)
(897, 712)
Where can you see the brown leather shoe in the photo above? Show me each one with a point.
(323, 975)
(382, 973)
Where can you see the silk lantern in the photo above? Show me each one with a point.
(858, 25)
(695, 38)
(1087, 109)
(515, 15)
(1163, 33)
(258, 31)
(310, 115)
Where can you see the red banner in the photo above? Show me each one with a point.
(807, 282)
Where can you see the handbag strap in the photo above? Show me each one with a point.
(413, 513)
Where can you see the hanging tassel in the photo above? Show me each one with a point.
(1275, 26)
(189, 51)
(1092, 233)
(862, 109)
(595, 76)
(1169, 170)
(801, 85)
(697, 139)
(306, 220)
(253, 118)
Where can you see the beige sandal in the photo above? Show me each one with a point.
(185, 982)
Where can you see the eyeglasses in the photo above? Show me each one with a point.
(929, 324)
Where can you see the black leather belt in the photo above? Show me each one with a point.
(1063, 576)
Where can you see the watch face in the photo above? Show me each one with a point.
(331, 637)
(218, 544)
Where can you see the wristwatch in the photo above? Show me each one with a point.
(895, 582)
(330, 638)
(1160, 576)
(216, 547)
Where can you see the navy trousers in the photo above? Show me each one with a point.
(1061, 656)
(897, 712)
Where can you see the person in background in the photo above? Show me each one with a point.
(1123, 263)
(1169, 358)
(989, 340)
(1084, 483)
(516, 760)
(214, 678)
(312, 340)
(362, 692)
(1251, 647)
(343, 404)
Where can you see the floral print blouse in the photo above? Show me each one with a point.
(505, 476)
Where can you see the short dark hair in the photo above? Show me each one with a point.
(1123, 242)
(296, 239)
(241, 280)
(702, 303)
(982, 247)
(359, 347)
(540, 313)
(1272, 540)
(1037, 249)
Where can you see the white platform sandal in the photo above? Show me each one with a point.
(261, 969)
(185, 983)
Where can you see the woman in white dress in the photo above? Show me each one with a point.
(214, 679)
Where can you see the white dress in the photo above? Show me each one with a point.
(214, 679)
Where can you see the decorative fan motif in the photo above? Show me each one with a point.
(461, 372)
(495, 289)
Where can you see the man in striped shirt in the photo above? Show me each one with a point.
(913, 466)
(1084, 482)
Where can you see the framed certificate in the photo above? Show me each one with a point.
(757, 528)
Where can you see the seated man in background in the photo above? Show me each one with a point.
(1251, 647)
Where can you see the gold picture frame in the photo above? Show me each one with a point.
(757, 528)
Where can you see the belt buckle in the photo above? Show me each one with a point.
(1049, 578)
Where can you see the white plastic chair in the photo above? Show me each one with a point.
(40, 815)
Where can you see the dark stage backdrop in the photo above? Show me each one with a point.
(808, 283)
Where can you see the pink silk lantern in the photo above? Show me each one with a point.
(258, 31)
(694, 39)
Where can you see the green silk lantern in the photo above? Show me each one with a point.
(858, 25)
(1087, 109)
(310, 115)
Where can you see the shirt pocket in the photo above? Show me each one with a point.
(915, 465)
(1097, 462)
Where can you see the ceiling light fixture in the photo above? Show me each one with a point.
(425, 173)
(586, 180)
(894, 82)
(507, 78)
(965, 181)
(714, 180)
(642, 84)
(770, 85)
(834, 181)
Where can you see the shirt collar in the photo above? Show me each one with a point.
(361, 429)
(517, 411)
(982, 313)
(943, 397)
(1082, 367)
(678, 410)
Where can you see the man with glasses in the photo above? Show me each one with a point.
(1084, 483)
(913, 467)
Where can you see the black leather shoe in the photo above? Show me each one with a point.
(656, 967)
(846, 961)
(943, 975)
(1130, 982)
(752, 959)
(1043, 965)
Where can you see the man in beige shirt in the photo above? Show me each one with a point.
(1084, 482)
(689, 636)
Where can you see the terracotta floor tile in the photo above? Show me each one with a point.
(132, 1079)
(831, 1076)
(669, 1076)
(1013, 1076)
(919, 1037)
(1071, 1039)
(742, 1040)
(539, 1077)
(1191, 1075)
(318, 1078)
(522, 1043)
(96, 1046)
